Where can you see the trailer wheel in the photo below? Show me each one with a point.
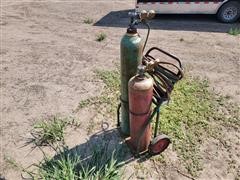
(229, 12)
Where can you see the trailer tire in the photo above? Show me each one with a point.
(229, 12)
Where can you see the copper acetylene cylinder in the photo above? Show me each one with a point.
(140, 90)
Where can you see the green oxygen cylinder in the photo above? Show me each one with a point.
(131, 56)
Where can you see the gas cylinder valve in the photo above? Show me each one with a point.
(134, 21)
(141, 70)
(137, 18)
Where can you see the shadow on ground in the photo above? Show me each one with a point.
(107, 142)
(100, 147)
(173, 22)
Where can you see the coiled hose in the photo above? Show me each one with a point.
(165, 74)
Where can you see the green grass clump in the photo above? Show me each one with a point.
(88, 20)
(69, 166)
(101, 36)
(234, 31)
(49, 131)
(62, 168)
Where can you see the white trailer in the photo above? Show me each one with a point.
(227, 11)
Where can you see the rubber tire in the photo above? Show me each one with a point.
(220, 14)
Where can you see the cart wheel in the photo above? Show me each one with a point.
(159, 144)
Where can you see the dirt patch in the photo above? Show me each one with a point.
(49, 56)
